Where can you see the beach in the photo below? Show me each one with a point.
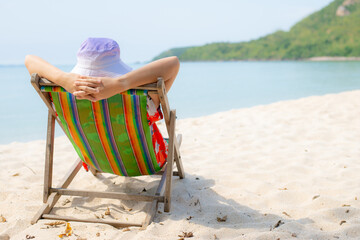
(286, 170)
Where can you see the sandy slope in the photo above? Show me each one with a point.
(288, 170)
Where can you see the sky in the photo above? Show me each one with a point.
(54, 30)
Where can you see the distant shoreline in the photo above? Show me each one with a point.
(312, 59)
(327, 58)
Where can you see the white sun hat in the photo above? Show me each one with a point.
(100, 57)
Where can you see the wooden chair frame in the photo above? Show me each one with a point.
(163, 192)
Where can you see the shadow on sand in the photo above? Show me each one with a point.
(193, 200)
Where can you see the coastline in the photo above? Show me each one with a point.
(312, 59)
(315, 59)
(283, 170)
(329, 59)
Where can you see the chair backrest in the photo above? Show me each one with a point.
(112, 135)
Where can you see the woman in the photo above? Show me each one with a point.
(100, 73)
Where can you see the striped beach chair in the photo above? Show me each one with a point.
(112, 136)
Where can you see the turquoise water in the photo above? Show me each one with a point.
(200, 89)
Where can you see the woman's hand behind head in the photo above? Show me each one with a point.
(97, 88)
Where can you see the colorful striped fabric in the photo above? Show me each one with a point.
(111, 135)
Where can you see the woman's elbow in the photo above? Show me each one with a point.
(174, 62)
(28, 60)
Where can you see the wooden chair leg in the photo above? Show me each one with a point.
(170, 162)
(154, 204)
(49, 154)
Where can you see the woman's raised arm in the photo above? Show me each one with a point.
(35, 64)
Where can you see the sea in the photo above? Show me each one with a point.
(201, 88)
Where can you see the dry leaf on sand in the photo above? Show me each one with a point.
(107, 212)
(57, 223)
(68, 231)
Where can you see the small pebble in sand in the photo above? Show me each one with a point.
(222, 219)
(66, 201)
(278, 224)
(315, 197)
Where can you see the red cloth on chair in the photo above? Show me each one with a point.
(159, 143)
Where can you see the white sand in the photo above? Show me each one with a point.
(297, 162)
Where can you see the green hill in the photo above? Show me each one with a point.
(332, 31)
